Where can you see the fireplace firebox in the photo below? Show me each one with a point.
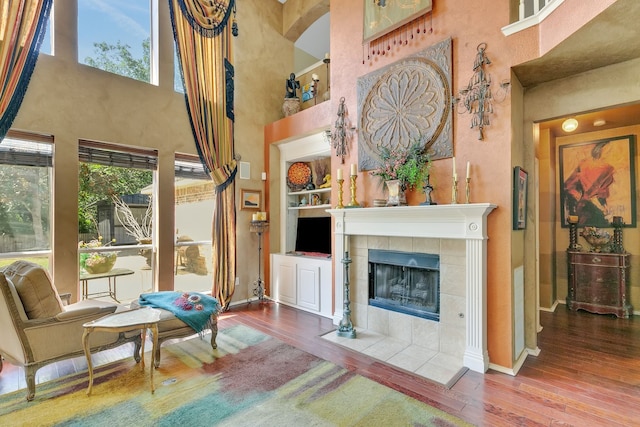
(405, 282)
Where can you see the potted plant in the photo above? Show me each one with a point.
(97, 262)
(405, 168)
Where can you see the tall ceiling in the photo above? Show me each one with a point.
(315, 40)
(613, 31)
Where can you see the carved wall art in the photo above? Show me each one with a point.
(404, 102)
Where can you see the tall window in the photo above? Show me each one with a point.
(115, 36)
(115, 215)
(25, 198)
(47, 41)
(194, 198)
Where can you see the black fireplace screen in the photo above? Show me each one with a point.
(405, 282)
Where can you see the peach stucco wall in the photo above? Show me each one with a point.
(490, 171)
(72, 101)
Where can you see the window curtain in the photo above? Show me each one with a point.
(22, 28)
(202, 32)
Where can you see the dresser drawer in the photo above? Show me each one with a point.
(596, 259)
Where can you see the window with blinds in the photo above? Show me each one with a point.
(25, 196)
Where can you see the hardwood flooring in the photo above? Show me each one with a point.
(587, 373)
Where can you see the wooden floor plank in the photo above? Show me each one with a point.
(587, 372)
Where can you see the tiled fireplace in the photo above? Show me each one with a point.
(457, 235)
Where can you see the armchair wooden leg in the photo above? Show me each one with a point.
(30, 376)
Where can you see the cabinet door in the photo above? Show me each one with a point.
(598, 285)
(309, 286)
(285, 280)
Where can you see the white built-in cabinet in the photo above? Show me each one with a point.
(301, 281)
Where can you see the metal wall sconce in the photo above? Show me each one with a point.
(342, 132)
(476, 98)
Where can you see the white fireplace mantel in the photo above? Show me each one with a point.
(459, 221)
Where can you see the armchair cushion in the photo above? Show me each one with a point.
(35, 288)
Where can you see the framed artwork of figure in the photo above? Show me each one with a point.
(597, 182)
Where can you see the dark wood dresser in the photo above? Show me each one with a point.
(599, 282)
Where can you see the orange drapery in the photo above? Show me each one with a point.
(202, 33)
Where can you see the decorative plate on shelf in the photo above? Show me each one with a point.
(298, 176)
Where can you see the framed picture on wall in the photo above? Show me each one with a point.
(382, 16)
(250, 199)
(597, 182)
(520, 178)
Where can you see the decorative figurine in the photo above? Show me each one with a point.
(292, 86)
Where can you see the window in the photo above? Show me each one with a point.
(47, 41)
(177, 75)
(115, 36)
(194, 204)
(115, 209)
(25, 198)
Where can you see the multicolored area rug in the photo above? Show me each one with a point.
(251, 380)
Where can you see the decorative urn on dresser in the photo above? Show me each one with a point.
(599, 279)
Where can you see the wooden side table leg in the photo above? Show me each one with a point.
(154, 332)
(87, 353)
(143, 338)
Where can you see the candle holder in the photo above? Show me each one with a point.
(353, 203)
(468, 189)
(259, 227)
(340, 205)
(345, 328)
(454, 191)
(617, 235)
(573, 233)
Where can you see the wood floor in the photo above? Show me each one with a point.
(587, 373)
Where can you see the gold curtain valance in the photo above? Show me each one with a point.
(207, 17)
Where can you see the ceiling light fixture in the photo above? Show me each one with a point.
(570, 125)
(599, 122)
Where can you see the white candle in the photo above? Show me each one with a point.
(339, 173)
(326, 55)
(254, 217)
(354, 169)
(346, 243)
(468, 169)
(453, 162)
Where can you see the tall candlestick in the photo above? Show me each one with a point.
(339, 173)
(468, 169)
(354, 169)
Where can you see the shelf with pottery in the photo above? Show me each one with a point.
(309, 199)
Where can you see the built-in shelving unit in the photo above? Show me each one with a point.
(295, 199)
(302, 281)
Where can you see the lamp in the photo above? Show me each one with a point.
(259, 227)
(570, 125)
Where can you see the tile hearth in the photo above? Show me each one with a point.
(421, 361)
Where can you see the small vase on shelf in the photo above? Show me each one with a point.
(393, 189)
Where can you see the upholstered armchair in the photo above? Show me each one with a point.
(36, 328)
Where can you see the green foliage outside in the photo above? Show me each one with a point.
(117, 59)
(97, 182)
(25, 202)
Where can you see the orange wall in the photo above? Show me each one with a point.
(467, 24)
(490, 159)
